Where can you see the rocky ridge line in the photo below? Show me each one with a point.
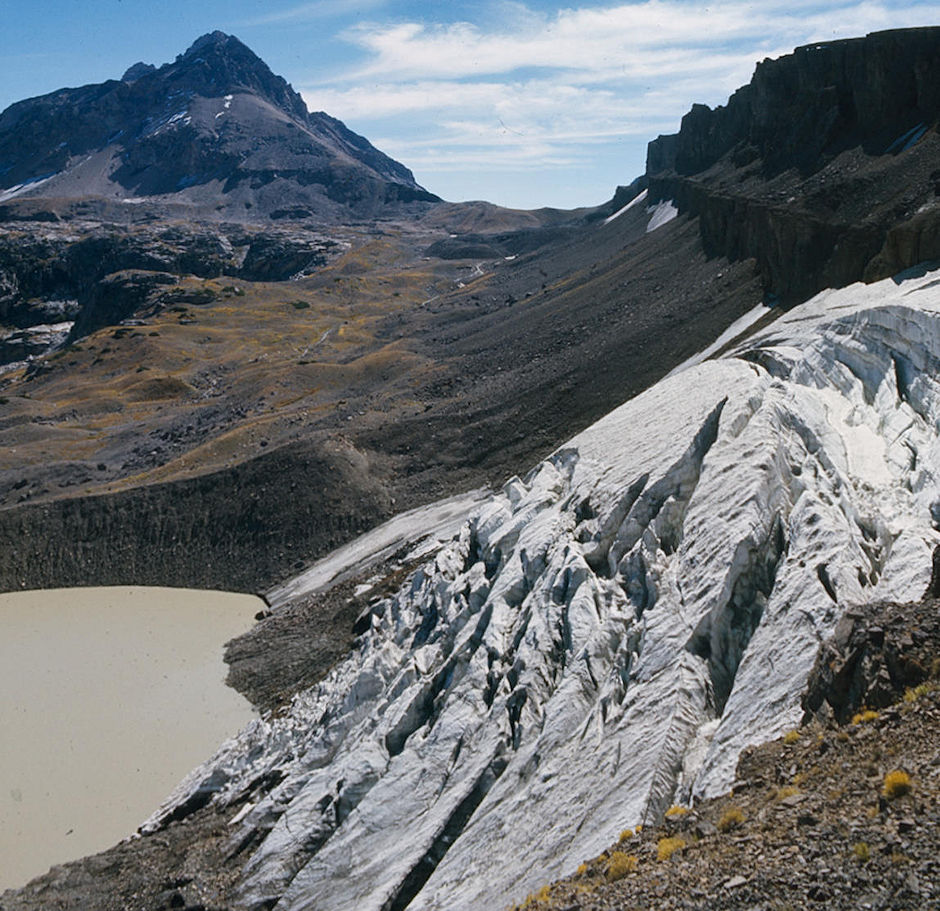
(823, 168)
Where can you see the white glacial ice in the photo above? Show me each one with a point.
(425, 529)
(604, 636)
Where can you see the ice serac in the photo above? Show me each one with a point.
(604, 636)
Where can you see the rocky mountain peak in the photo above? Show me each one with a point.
(216, 39)
(218, 64)
(215, 131)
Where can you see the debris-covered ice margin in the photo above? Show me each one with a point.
(605, 636)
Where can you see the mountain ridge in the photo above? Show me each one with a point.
(215, 129)
(823, 168)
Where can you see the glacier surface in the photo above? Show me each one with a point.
(603, 637)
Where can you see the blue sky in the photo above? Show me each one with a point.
(521, 103)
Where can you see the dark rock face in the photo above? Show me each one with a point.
(100, 277)
(227, 530)
(117, 297)
(933, 590)
(217, 62)
(875, 654)
(800, 109)
(134, 72)
(823, 168)
(661, 153)
(215, 129)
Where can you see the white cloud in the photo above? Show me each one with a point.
(633, 37)
(526, 89)
(319, 9)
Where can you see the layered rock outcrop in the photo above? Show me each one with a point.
(77, 272)
(823, 168)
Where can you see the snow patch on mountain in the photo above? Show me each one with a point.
(661, 214)
(27, 185)
(604, 636)
(736, 329)
(633, 202)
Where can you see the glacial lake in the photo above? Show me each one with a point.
(108, 698)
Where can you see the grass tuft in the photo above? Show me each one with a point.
(534, 899)
(620, 865)
(912, 694)
(666, 847)
(897, 784)
(864, 715)
(730, 819)
(862, 852)
(786, 791)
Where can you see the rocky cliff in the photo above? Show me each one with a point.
(80, 271)
(823, 168)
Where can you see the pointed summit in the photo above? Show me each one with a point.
(218, 63)
(210, 39)
(215, 131)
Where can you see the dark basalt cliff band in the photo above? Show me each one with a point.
(824, 168)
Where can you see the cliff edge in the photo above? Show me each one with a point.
(823, 168)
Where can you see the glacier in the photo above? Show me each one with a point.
(603, 637)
